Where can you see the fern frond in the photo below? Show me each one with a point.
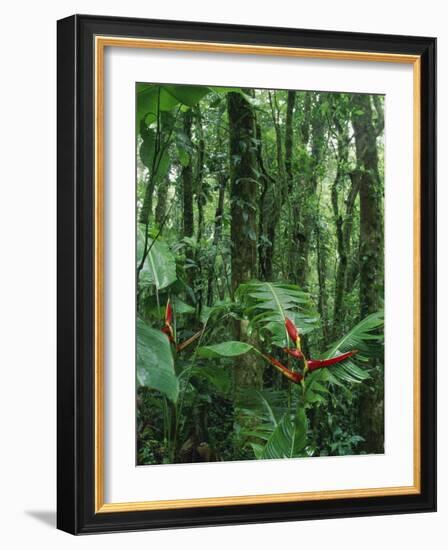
(267, 305)
(367, 337)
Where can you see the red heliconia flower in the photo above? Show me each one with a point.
(168, 330)
(292, 332)
(294, 352)
(316, 364)
(294, 377)
(168, 313)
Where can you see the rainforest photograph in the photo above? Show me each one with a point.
(259, 274)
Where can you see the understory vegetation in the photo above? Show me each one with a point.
(260, 274)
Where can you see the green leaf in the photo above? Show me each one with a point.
(180, 306)
(187, 95)
(155, 365)
(159, 267)
(147, 149)
(184, 157)
(366, 337)
(219, 376)
(251, 234)
(288, 439)
(163, 164)
(225, 90)
(282, 435)
(267, 406)
(225, 349)
(360, 335)
(258, 449)
(152, 98)
(161, 264)
(268, 304)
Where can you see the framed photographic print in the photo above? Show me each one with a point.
(246, 274)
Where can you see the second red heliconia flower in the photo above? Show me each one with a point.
(295, 377)
(294, 352)
(292, 331)
(314, 364)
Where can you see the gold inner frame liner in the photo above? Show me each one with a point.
(101, 42)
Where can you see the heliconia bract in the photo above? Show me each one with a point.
(295, 377)
(294, 352)
(292, 331)
(314, 364)
(167, 329)
(168, 313)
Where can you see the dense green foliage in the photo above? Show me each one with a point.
(253, 207)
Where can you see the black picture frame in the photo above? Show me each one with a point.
(76, 271)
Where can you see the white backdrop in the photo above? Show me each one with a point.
(27, 289)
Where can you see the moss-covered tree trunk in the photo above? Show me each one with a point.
(268, 213)
(187, 199)
(187, 183)
(289, 138)
(243, 209)
(297, 191)
(217, 236)
(371, 261)
(200, 205)
(304, 216)
(371, 249)
(344, 223)
(162, 198)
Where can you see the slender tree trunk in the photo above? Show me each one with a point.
(344, 282)
(146, 210)
(187, 203)
(217, 235)
(371, 249)
(322, 303)
(274, 192)
(187, 183)
(344, 223)
(162, 196)
(292, 205)
(268, 215)
(278, 143)
(298, 192)
(307, 210)
(289, 138)
(243, 198)
(152, 165)
(200, 203)
(371, 262)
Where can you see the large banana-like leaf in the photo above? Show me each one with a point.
(147, 152)
(367, 337)
(159, 268)
(225, 349)
(155, 364)
(219, 376)
(268, 406)
(277, 433)
(288, 438)
(267, 305)
(152, 98)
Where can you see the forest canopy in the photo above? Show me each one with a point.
(260, 273)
